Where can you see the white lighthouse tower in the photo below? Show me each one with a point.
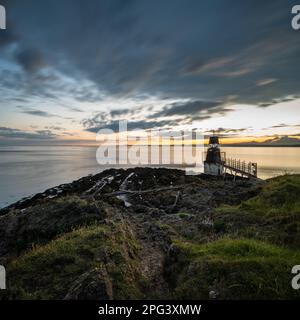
(215, 159)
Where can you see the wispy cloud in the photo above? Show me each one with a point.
(21, 134)
(265, 82)
(278, 100)
(170, 115)
(40, 113)
(190, 108)
(132, 125)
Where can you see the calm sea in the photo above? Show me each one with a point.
(25, 171)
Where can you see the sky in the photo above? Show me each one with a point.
(69, 68)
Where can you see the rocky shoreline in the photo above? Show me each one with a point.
(116, 179)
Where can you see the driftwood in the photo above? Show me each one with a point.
(93, 195)
(120, 192)
(176, 201)
(98, 189)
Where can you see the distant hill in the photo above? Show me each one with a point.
(284, 141)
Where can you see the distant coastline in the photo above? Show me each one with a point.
(261, 145)
(172, 145)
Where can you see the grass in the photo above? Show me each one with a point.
(47, 220)
(255, 246)
(280, 196)
(58, 264)
(248, 253)
(183, 215)
(273, 215)
(234, 269)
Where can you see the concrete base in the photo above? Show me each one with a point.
(214, 169)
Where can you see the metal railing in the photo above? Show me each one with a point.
(243, 167)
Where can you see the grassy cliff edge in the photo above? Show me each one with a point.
(74, 248)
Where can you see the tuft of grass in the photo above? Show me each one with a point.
(183, 215)
(220, 226)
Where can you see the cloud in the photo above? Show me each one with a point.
(283, 125)
(114, 49)
(75, 109)
(185, 53)
(170, 115)
(190, 108)
(121, 112)
(278, 100)
(34, 112)
(56, 128)
(132, 125)
(265, 82)
(195, 67)
(228, 132)
(40, 113)
(20, 134)
(265, 104)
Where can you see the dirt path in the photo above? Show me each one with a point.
(152, 256)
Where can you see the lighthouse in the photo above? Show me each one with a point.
(215, 159)
(217, 164)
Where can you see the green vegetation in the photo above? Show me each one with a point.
(250, 251)
(48, 272)
(280, 196)
(45, 221)
(233, 269)
(69, 248)
(183, 215)
(273, 215)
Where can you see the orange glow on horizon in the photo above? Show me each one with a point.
(89, 138)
